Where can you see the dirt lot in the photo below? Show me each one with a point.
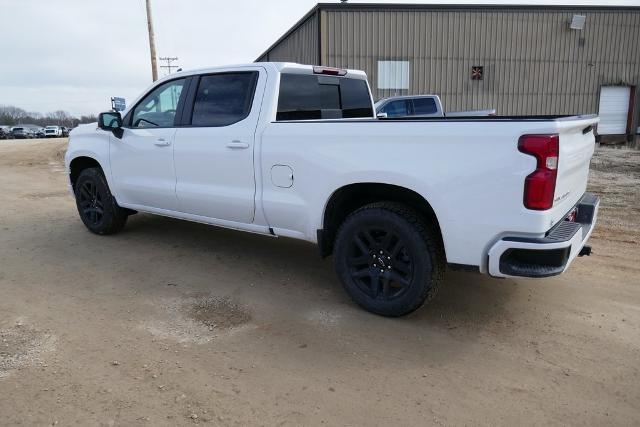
(175, 323)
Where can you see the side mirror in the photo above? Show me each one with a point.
(111, 121)
(382, 115)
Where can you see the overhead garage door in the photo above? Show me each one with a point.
(614, 110)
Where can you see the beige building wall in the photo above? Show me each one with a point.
(301, 45)
(533, 63)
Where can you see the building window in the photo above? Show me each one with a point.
(393, 74)
(477, 72)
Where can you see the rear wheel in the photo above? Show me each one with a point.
(388, 259)
(96, 205)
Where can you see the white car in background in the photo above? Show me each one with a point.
(293, 150)
(53, 131)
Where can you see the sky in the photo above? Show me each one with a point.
(74, 55)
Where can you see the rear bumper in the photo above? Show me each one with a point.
(549, 255)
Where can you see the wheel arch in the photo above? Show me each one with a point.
(351, 197)
(80, 163)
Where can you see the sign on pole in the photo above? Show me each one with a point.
(118, 104)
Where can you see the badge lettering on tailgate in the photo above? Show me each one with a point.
(564, 196)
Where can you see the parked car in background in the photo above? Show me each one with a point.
(65, 131)
(421, 106)
(39, 132)
(294, 150)
(5, 132)
(19, 132)
(53, 131)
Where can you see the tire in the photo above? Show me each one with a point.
(389, 259)
(96, 205)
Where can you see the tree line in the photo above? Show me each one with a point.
(11, 115)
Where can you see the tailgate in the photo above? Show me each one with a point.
(577, 144)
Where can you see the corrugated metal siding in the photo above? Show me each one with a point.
(533, 63)
(300, 46)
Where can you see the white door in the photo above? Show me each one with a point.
(614, 110)
(214, 152)
(142, 160)
(142, 167)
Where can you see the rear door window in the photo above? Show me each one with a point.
(424, 106)
(224, 99)
(312, 97)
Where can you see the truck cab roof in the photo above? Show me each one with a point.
(271, 67)
(279, 67)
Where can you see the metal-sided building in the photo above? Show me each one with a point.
(520, 60)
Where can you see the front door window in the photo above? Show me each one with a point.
(158, 109)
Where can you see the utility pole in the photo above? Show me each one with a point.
(169, 60)
(152, 42)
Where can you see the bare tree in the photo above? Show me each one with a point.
(11, 115)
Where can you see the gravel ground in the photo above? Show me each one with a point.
(175, 323)
(615, 176)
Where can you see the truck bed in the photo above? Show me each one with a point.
(493, 118)
(540, 118)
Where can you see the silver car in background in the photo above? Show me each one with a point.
(421, 106)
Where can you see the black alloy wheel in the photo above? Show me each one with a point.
(96, 205)
(90, 201)
(389, 258)
(380, 264)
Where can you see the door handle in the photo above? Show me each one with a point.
(237, 144)
(161, 142)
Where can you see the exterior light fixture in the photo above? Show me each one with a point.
(577, 22)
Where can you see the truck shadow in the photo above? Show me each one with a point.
(465, 301)
(292, 295)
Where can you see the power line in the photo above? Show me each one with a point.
(169, 60)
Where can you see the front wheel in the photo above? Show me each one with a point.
(96, 205)
(389, 259)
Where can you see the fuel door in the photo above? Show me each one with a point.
(282, 176)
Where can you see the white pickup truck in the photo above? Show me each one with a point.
(293, 150)
(53, 132)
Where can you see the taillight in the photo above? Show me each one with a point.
(540, 186)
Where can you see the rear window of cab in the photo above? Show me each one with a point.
(313, 97)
